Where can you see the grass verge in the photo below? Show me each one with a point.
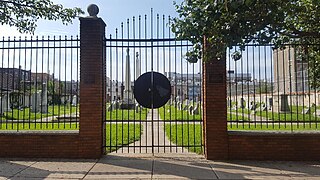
(26, 114)
(172, 113)
(275, 127)
(294, 115)
(118, 135)
(186, 135)
(124, 114)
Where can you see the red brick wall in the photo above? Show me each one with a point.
(88, 143)
(274, 146)
(92, 87)
(36, 145)
(221, 144)
(215, 109)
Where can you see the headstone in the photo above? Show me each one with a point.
(44, 99)
(196, 110)
(74, 100)
(137, 108)
(36, 102)
(270, 103)
(242, 103)
(190, 110)
(5, 104)
(117, 104)
(109, 108)
(306, 111)
(284, 105)
(253, 106)
(180, 106)
(178, 99)
(185, 108)
(317, 113)
(229, 102)
(264, 107)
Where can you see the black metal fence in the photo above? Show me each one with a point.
(274, 88)
(143, 45)
(39, 83)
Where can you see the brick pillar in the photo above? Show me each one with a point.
(92, 87)
(215, 109)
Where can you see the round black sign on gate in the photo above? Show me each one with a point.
(152, 90)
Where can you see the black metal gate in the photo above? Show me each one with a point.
(141, 46)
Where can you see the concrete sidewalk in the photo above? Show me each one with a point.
(160, 166)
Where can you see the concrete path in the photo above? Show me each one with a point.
(146, 166)
(153, 135)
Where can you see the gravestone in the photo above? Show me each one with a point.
(284, 105)
(36, 102)
(137, 108)
(180, 106)
(253, 106)
(242, 103)
(109, 108)
(264, 107)
(185, 108)
(270, 103)
(196, 110)
(117, 105)
(190, 110)
(317, 113)
(44, 99)
(5, 104)
(306, 111)
(74, 100)
(229, 102)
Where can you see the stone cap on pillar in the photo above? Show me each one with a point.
(93, 10)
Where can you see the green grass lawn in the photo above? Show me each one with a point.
(186, 135)
(236, 117)
(275, 127)
(171, 113)
(294, 115)
(119, 135)
(26, 114)
(39, 126)
(126, 115)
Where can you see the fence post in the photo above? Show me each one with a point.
(92, 85)
(215, 108)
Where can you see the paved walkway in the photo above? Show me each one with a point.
(153, 135)
(160, 166)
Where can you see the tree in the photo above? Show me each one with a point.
(24, 14)
(228, 23)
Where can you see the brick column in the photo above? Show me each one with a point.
(92, 87)
(215, 109)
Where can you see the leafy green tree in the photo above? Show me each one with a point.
(24, 14)
(228, 23)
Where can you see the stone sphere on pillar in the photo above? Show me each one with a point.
(93, 10)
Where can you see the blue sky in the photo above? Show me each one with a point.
(113, 12)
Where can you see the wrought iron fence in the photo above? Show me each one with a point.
(39, 83)
(144, 45)
(274, 88)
